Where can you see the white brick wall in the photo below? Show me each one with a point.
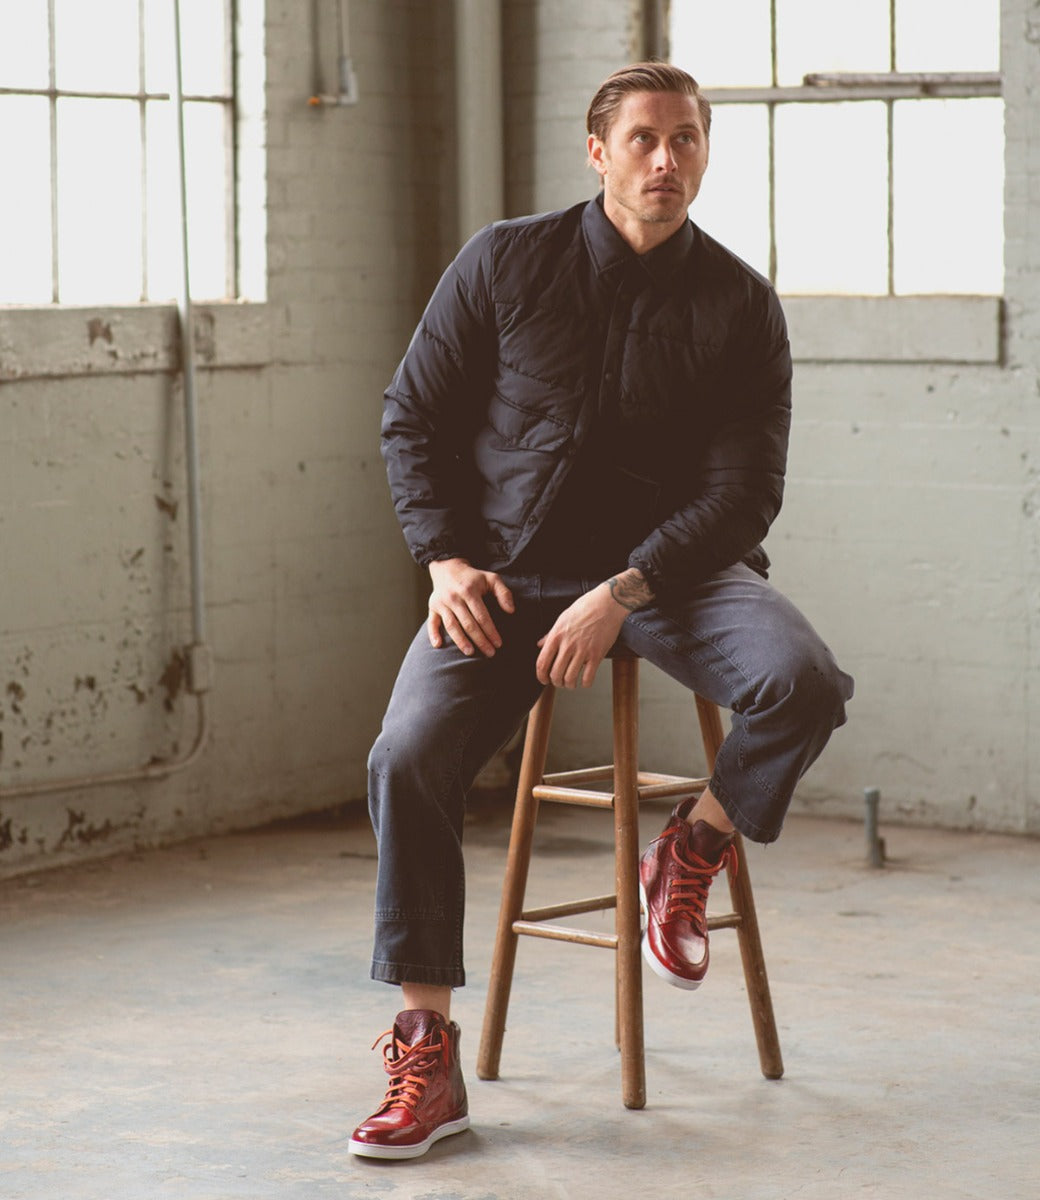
(910, 532)
(310, 594)
(911, 536)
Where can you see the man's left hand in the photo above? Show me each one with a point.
(579, 640)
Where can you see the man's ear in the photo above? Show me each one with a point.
(596, 154)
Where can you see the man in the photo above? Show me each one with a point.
(586, 443)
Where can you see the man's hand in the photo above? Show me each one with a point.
(457, 606)
(583, 633)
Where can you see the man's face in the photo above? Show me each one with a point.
(651, 163)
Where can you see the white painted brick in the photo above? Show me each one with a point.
(912, 542)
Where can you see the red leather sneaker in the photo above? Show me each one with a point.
(426, 1099)
(674, 877)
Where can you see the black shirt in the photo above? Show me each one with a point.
(609, 501)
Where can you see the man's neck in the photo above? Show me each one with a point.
(642, 236)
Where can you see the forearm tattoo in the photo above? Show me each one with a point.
(630, 590)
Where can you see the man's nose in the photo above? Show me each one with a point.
(664, 159)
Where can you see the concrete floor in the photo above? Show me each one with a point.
(195, 1023)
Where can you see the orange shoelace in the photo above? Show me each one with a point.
(688, 894)
(409, 1068)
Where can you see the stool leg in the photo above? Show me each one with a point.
(626, 851)
(514, 885)
(748, 936)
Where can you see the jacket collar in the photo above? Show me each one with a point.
(610, 250)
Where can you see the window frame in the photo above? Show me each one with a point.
(842, 86)
(963, 328)
(47, 340)
(142, 97)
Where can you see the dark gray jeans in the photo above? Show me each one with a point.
(736, 641)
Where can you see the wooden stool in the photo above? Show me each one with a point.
(630, 785)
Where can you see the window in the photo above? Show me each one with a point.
(90, 213)
(856, 148)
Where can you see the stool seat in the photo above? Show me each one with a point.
(625, 787)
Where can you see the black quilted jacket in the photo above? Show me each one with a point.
(498, 390)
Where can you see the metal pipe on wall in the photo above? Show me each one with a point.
(478, 97)
(197, 657)
(347, 80)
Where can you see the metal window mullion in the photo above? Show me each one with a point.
(231, 141)
(771, 113)
(53, 107)
(890, 106)
(832, 89)
(143, 117)
(891, 195)
(771, 127)
(86, 94)
(774, 76)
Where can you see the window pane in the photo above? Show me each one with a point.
(96, 45)
(99, 201)
(928, 40)
(733, 205)
(820, 35)
(208, 201)
(831, 198)
(948, 205)
(206, 61)
(164, 235)
(722, 45)
(206, 66)
(23, 44)
(208, 192)
(158, 45)
(25, 210)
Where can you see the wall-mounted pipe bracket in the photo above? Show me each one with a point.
(875, 843)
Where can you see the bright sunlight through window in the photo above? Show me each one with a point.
(86, 114)
(855, 148)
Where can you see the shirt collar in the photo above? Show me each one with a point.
(609, 249)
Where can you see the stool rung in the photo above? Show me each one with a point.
(645, 778)
(569, 908)
(584, 775)
(729, 921)
(651, 786)
(568, 795)
(677, 787)
(561, 933)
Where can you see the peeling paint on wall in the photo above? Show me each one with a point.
(172, 679)
(169, 507)
(79, 831)
(97, 329)
(8, 838)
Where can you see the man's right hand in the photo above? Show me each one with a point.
(457, 606)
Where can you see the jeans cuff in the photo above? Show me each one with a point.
(388, 972)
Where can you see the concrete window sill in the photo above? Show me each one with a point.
(42, 343)
(895, 329)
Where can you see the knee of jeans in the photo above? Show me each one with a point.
(394, 752)
(821, 690)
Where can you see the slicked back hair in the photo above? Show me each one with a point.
(641, 77)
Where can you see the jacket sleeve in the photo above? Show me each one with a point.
(737, 476)
(430, 407)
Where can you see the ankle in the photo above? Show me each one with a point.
(431, 997)
(711, 812)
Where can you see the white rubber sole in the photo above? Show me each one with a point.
(653, 962)
(365, 1150)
